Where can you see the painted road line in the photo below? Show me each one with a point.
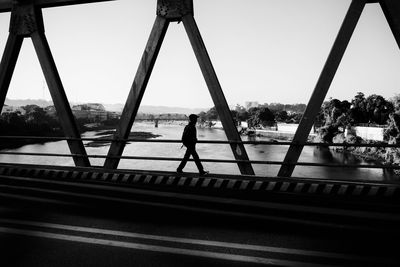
(191, 241)
(161, 249)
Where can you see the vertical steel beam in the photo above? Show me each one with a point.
(216, 92)
(322, 86)
(7, 65)
(60, 99)
(391, 9)
(137, 90)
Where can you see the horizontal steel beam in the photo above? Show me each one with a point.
(261, 162)
(141, 140)
(6, 5)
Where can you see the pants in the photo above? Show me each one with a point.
(191, 150)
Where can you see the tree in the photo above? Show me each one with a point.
(334, 116)
(262, 116)
(242, 113)
(212, 114)
(235, 116)
(395, 100)
(252, 111)
(276, 107)
(202, 117)
(297, 108)
(336, 113)
(281, 116)
(378, 109)
(358, 112)
(294, 117)
(320, 119)
(31, 108)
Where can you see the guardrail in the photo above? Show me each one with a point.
(265, 162)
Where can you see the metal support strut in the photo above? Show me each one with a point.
(391, 9)
(168, 11)
(27, 21)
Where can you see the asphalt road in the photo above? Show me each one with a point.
(64, 236)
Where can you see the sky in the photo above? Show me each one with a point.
(262, 50)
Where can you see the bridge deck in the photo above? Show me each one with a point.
(361, 205)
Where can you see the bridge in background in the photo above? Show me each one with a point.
(315, 200)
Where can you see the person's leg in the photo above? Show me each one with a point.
(184, 160)
(197, 160)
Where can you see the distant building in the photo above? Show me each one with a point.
(90, 115)
(89, 106)
(164, 116)
(91, 112)
(251, 104)
(172, 116)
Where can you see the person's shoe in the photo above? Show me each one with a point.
(179, 171)
(204, 172)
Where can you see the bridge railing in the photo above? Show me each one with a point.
(262, 162)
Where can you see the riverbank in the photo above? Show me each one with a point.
(377, 154)
(104, 137)
(206, 151)
(279, 135)
(17, 143)
(106, 132)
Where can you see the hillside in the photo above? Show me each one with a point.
(110, 107)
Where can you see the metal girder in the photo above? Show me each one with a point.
(60, 99)
(167, 11)
(137, 90)
(174, 10)
(322, 87)
(8, 63)
(391, 9)
(27, 21)
(216, 93)
(6, 5)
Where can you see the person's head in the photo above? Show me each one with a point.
(193, 118)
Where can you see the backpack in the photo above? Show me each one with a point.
(186, 138)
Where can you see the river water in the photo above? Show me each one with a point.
(209, 151)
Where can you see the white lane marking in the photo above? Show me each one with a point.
(195, 241)
(179, 251)
(186, 240)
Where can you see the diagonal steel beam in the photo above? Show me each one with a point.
(7, 65)
(6, 5)
(391, 9)
(322, 86)
(137, 90)
(216, 92)
(60, 99)
(27, 21)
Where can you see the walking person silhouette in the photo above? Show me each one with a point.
(189, 140)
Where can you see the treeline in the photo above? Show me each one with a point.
(374, 109)
(265, 115)
(371, 110)
(36, 122)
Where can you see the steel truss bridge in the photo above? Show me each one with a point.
(353, 204)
